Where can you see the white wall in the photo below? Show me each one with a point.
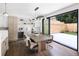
(70, 8)
(24, 26)
(78, 30)
(3, 21)
(36, 27)
(38, 23)
(66, 9)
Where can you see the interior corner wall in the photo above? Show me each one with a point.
(3, 21)
(78, 30)
(69, 8)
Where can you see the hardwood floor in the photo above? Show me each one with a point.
(18, 48)
(60, 50)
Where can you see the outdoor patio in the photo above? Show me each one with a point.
(66, 39)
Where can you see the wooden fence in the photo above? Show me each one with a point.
(62, 27)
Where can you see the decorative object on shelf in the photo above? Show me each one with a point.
(20, 28)
(21, 20)
(24, 23)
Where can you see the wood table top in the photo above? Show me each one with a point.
(40, 37)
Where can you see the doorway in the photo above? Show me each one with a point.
(64, 28)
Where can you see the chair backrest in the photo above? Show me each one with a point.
(28, 31)
(49, 39)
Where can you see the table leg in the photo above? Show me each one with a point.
(41, 47)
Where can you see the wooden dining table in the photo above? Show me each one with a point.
(41, 39)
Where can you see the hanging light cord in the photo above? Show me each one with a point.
(5, 12)
(5, 7)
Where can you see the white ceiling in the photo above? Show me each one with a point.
(27, 9)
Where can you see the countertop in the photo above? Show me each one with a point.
(3, 35)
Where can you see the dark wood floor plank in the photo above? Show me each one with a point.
(60, 50)
(18, 48)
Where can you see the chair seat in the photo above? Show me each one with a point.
(49, 41)
(33, 45)
(30, 43)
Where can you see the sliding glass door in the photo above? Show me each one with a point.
(64, 28)
(45, 26)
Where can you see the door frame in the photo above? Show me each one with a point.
(77, 28)
(48, 25)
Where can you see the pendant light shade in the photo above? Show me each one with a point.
(37, 8)
(5, 13)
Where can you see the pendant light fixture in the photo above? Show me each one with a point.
(36, 8)
(35, 11)
(5, 12)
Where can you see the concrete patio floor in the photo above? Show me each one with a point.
(66, 39)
